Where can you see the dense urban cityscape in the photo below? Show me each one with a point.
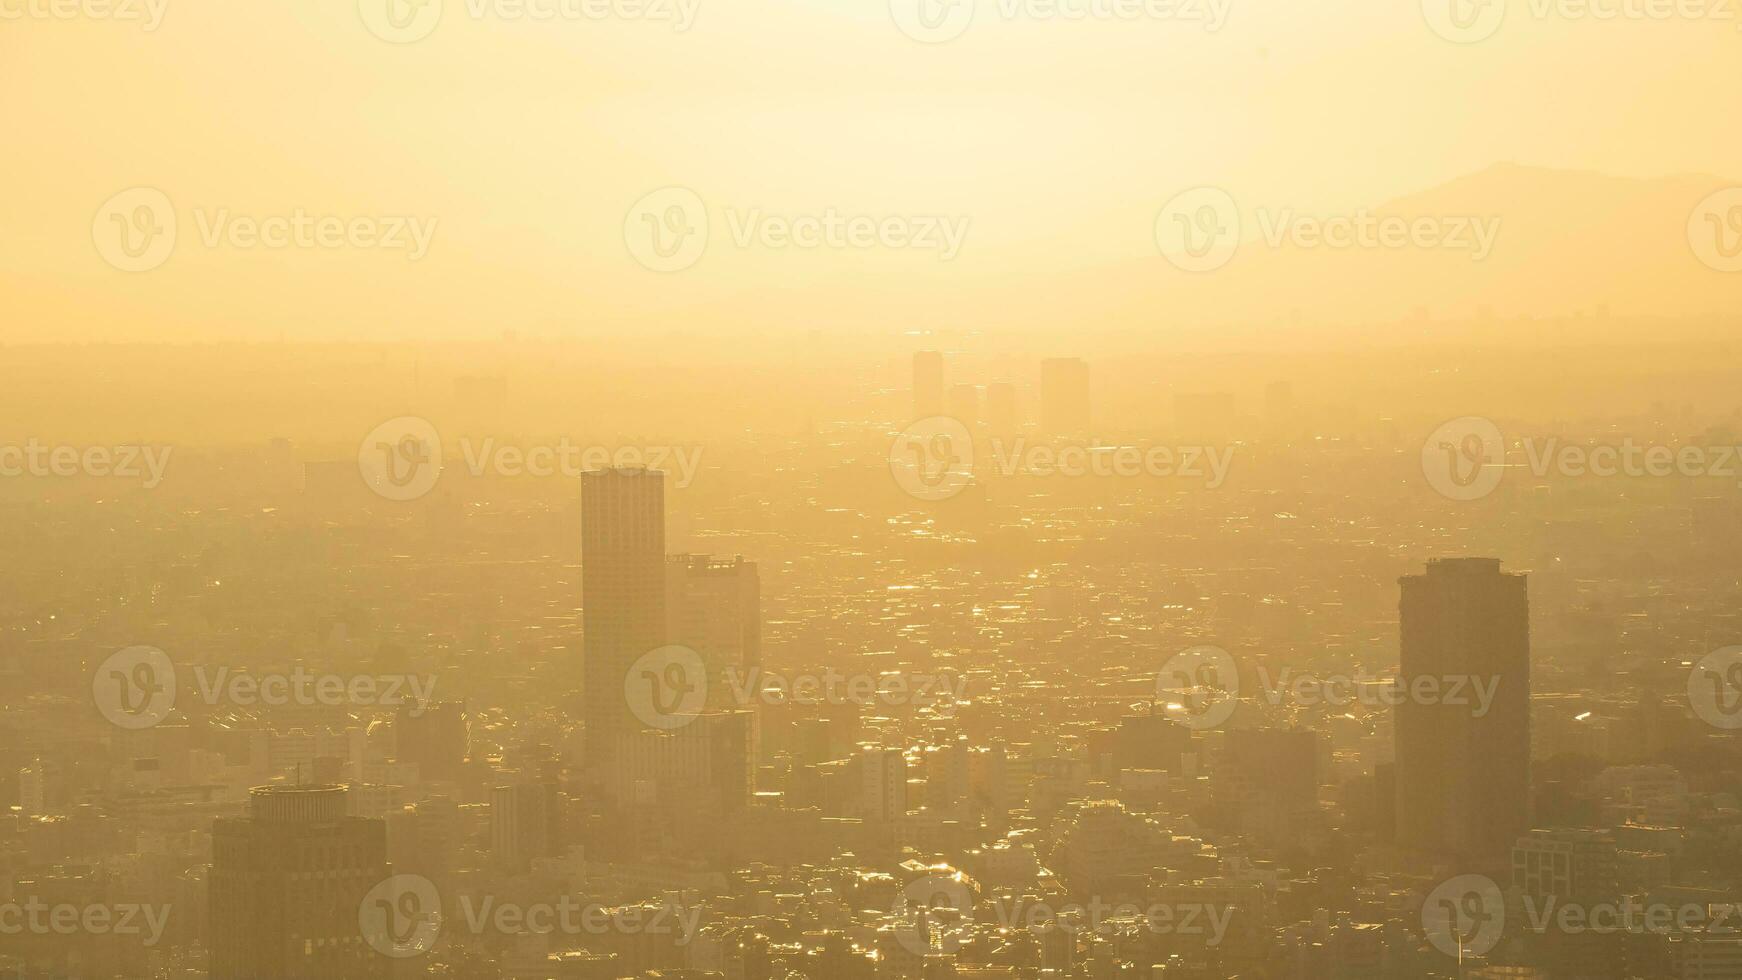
(872, 701)
(870, 490)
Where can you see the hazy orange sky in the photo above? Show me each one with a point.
(525, 144)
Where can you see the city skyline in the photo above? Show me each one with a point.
(871, 490)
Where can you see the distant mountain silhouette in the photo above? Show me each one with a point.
(1569, 242)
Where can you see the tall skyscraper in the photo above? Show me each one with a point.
(883, 784)
(526, 822)
(948, 774)
(714, 607)
(928, 384)
(622, 597)
(287, 882)
(1463, 775)
(1064, 395)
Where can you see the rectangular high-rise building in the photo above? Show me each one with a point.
(883, 784)
(714, 607)
(1463, 765)
(526, 822)
(1064, 395)
(928, 384)
(622, 597)
(287, 886)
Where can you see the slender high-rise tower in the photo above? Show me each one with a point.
(1463, 756)
(714, 607)
(622, 596)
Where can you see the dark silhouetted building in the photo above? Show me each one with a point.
(287, 883)
(714, 607)
(1463, 776)
(622, 597)
(526, 822)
